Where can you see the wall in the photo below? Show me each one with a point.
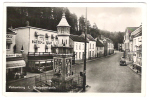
(41, 40)
(22, 39)
(92, 47)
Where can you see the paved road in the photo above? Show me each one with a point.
(107, 76)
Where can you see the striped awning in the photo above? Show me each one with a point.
(9, 41)
(15, 64)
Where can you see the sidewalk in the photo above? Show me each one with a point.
(130, 65)
(88, 60)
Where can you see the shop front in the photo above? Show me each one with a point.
(15, 69)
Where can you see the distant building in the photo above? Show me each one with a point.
(120, 46)
(99, 48)
(78, 44)
(108, 46)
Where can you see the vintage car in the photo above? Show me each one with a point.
(123, 62)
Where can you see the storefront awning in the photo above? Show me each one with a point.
(8, 41)
(15, 64)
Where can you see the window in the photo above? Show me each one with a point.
(76, 47)
(62, 30)
(62, 41)
(93, 46)
(90, 45)
(66, 41)
(79, 46)
(83, 46)
(8, 46)
(79, 55)
(76, 55)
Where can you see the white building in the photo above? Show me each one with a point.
(92, 45)
(136, 36)
(78, 45)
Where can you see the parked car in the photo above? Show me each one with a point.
(123, 62)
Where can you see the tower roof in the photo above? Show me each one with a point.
(63, 21)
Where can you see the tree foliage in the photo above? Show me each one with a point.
(49, 18)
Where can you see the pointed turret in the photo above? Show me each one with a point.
(63, 28)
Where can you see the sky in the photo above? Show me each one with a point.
(111, 18)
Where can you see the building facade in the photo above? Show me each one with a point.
(36, 43)
(91, 47)
(127, 42)
(99, 48)
(136, 38)
(78, 44)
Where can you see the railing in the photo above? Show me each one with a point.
(39, 53)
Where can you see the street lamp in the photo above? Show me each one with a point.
(84, 70)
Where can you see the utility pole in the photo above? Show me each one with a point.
(84, 70)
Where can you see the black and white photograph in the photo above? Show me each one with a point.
(71, 49)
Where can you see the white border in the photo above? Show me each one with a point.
(78, 5)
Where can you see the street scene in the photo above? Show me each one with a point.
(74, 49)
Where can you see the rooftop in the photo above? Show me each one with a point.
(63, 21)
(77, 38)
(99, 44)
(131, 29)
(35, 28)
(90, 38)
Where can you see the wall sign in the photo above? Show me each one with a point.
(9, 36)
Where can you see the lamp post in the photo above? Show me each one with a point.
(84, 70)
